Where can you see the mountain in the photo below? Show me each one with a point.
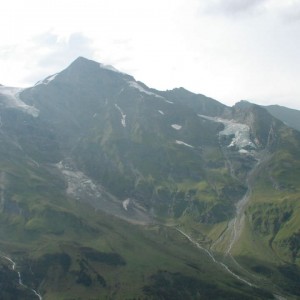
(115, 190)
(287, 115)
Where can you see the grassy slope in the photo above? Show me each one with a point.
(275, 206)
(269, 245)
(270, 241)
(75, 252)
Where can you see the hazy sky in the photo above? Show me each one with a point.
(226, 49)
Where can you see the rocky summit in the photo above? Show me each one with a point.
(110, 189)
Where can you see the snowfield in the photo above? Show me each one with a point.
(123, 120)
(240, 132)
(176, 126)
(110, 68)
(184, 144)
(11, 99)
(46, 80)
(135, 85)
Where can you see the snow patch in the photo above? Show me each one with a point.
(161, 112)
(125, 203)
(240, 132)
(82, 188)
(169, 102)
(123, 120)
(110, 68)
(12, 100)
(78, 182)
(13, 264)
(46, 80)
(51, 78)
(176, 126)
(135, 85)
(183, 143)
(243, 151)
(121, 91)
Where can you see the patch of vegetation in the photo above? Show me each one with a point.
(292, 274)
(113, 259)
(176, 286)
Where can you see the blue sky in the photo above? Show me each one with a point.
(226, 49)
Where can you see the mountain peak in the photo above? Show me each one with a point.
(83, 62)
(86, 70)
(243, 104)
(81, 58)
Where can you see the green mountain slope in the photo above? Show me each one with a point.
(64, 249)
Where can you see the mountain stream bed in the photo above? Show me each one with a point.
(20, 282)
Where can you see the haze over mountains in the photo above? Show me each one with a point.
(115, 190)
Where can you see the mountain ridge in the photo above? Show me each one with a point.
(110, 160)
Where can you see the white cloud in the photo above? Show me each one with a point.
(233, 7)
(41, 56)
(226, 49)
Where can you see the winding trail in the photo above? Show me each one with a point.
(14, 265)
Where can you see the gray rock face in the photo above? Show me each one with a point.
(134, 142)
